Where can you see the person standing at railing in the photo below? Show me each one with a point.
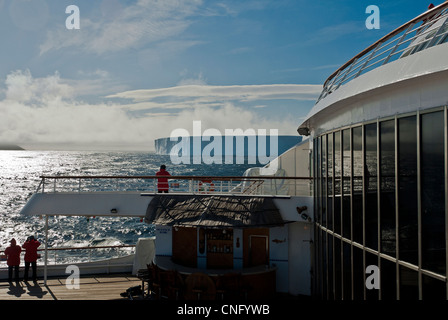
(13, 260)
(162, 183)
(31, 246)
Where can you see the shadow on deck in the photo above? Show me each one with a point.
(101, 287)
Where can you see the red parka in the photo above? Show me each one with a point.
(162, 183)
(13, 254)
(31, 250)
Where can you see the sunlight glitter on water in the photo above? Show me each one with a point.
(19, 179)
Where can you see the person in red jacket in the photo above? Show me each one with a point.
(13, 259)
(162, 183)
(30, 246)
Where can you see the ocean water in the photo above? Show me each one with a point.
(20, 173)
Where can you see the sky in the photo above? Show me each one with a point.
(137, 70)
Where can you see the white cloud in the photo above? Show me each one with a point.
(46, 111)
(202, 93)
(146, 21)
(21, 87)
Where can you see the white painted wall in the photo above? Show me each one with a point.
(127, 204)
(416, 82)
(278, 256)
(300, 234)
(164, 241)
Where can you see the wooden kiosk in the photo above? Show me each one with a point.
(216, 243)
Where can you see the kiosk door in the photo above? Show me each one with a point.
(258, 250)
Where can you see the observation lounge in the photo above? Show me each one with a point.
(379, 135)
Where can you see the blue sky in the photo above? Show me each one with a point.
(137, 70)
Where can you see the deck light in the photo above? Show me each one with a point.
(303, 131)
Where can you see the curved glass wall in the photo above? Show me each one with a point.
(381, 201)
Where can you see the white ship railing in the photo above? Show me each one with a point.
(253, 185)
(427, 30)
(64, 255)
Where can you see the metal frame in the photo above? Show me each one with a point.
(328, 231)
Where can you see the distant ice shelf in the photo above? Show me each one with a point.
(240, 146)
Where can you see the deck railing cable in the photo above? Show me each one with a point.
(74, 254)
(251, 185)
(427, 30)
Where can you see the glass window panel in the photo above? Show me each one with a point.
(388, 280)
(330, 283)
(440, 38)
(337, 269)
(314, 157)
(337, 183)
(407, 189)
(318, 179)
(346, 164)
(433, 192)
(408, 284)
(330, 161)
(433, 289)
(324, 180)
(315, 173)
(346, 183)
(370, 188)
(346, 204)
(357, 214)
(347, 265)
(358, 274)
(319, 261)
(324, 263)
(387, 186)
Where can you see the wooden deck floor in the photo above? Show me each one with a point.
(101, 287)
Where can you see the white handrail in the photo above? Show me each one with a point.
(382, 51)
(253, 185)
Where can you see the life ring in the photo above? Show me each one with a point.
(206, 186)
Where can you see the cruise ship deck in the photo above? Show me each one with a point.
(100, 287)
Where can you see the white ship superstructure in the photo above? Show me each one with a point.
(368, 188)
(379, 138)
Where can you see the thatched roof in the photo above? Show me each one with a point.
(213, 211)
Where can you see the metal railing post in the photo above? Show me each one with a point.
(46, 250)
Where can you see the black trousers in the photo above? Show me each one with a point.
(16, 273)
(27, 267)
